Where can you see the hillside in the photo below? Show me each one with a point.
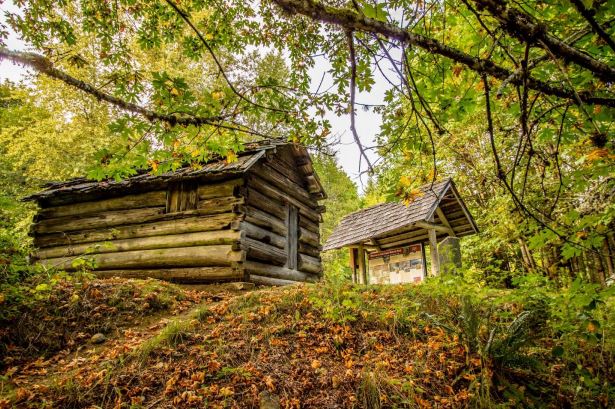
(308, 346)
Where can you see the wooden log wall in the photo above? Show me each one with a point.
(230, 230)
(134, 236)
(274, 200)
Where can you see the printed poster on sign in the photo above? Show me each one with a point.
(395, 266)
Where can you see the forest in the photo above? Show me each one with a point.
(513, 100)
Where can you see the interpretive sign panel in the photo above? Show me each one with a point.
(395, 266)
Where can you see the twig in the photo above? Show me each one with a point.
(589, 16)
(185, 17)
(351, 20)
(353, 80)
(45, 66)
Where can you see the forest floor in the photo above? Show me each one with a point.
(304, 346)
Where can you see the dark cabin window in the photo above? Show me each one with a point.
(182, 196)
(292, 229)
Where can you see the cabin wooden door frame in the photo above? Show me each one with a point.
(292, 236)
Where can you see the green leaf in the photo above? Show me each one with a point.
(376, 12)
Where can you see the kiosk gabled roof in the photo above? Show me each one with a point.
(384, 219)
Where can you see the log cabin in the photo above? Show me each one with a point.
(387, 241)
(254, 219)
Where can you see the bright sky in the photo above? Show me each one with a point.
(368, 123)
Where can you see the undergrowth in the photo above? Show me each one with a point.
(443, 343)
(49, 313)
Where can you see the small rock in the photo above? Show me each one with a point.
(98, 338)
(268, 400)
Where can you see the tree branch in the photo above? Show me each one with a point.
(351, 20)
(187, 20)
(589, 16)
(353, 80)
(523, 27)
(45, 66)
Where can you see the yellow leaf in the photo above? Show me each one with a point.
(231, 157)
(174, 91)
(405, 181)
(2, 298)
(195, 153)
(226, 391)
(597, 154)
(154, 165)
(209, 36)
(316, 364)
(217, 95)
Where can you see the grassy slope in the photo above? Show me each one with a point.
(334, 346)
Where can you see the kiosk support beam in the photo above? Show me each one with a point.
(362, 268)
(433, 249)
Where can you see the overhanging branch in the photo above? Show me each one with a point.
(588, 15)
(45, 66)
(351, 20)
(522, 26)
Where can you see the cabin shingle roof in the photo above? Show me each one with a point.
(378, 220)
(252, 153)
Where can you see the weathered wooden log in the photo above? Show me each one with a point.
(309, 225)
(178, 224)
(257, 250)
(309, 250)
(132, 216)
(197, 256)
(309, 237)
(284, 184)
(270, 222)
(100, 220)
(221, 204)
(227, 188)
(261, 202)
(266, 236)
(309, 264)
(144, 243)
(314, 187)
(285, 169)
(261, 280)
(265, 188)
(253, 267)
(148, 199)
(264, 220)
(182, 275)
